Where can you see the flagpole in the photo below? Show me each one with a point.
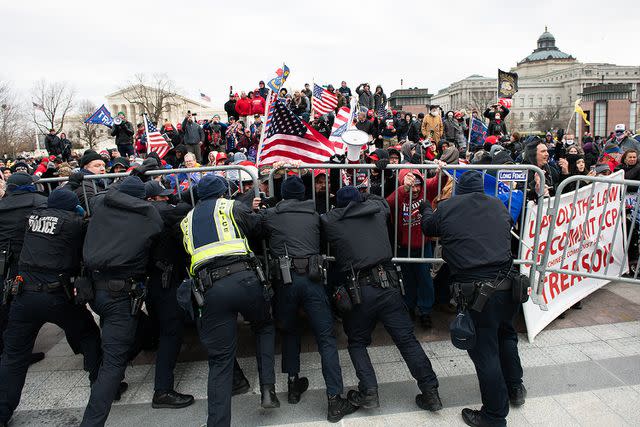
(146, 131)
(569, 124)
(37, 140)
(264, 126)
(313, 85)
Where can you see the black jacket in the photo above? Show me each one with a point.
(123, 133)
(358, 233)
(414, 131)
(367, 127)
(167, 248)
(14, 213)
(53, 144)
(474, 229)
(85, 189)
(52, 245)
(120, 235)
(230, 108)
(294, 223)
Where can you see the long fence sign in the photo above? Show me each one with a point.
(587, 229)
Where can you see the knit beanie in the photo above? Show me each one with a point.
(211, 186)
(347, 194)
(64, 199)
(20, 181)
(470, 182)
(133, 186)
(293, 188)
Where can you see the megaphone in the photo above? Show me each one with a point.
(117, 121)
(354, 139)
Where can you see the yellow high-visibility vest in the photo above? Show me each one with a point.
(223, 236)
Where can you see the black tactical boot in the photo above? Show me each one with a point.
(269, 400)
(171, 399)
(429, 401)
(367, 399)
(338, 408)
(121, 389)
(240, 384)
(517, 395)
(296, 387)
(473, 418)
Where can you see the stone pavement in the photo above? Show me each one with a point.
(582, 370)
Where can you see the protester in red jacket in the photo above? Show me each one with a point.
(417, 277)
(257, 103)
(243, 106)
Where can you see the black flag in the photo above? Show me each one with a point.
(507, 84)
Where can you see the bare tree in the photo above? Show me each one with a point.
(89, 133)
(481, 100)
(155, 95)
(15, 135)
(52, 103)
(549, 118)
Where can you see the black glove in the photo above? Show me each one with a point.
(382, 164)
(76, 177)
(422, 206)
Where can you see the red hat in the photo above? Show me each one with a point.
(220, 156)
(491, 139)
(246, 163)
(370, 113)
(179, 126)
(394, 112)
(52, 157)
(457, 115)
(317, 172)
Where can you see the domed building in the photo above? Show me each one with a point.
(550, 81)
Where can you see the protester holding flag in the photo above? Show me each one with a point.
(496, 115)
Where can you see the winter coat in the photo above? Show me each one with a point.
(192, 133)
(53, 144)
(243, 107)
(411, 214)
(123, 133)
(432, 127)
(365, 99)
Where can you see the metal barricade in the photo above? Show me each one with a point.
(603, 235)
(99, 183)
(365, 172)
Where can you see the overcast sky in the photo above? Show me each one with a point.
(207, 46)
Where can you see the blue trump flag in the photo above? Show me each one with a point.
(502, 193)
(281, 76)
(102, 116)
(478, 132)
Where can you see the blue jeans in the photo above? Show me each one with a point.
(313, 298)
(418, 284)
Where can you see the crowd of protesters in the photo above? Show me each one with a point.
(394, 137)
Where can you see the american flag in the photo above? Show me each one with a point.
(289, 138)
(205, 97)
(323, 100)
(155, 141)
(340, 124)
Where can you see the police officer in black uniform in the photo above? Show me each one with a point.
(44, 294)
(357, 231)
(15, 208)
(464, 223)
(227, 281)
(168, 263)
(116, 254)
(293, 230)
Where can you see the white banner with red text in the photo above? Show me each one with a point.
(574, 247)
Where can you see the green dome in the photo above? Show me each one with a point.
(546, 50)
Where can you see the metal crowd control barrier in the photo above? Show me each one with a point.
(367, 171)
(110, 178)
(615, 216)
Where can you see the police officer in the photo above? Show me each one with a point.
(215, 236)
(44, 294)
(167, 270)
(357, 231)
(293, 230)
(15, 208)
(116, 254)
(464, 223)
